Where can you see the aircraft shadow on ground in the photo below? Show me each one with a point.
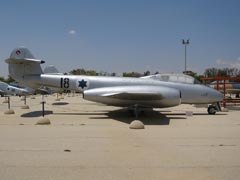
(60, 103)
(80, 113)
(197, 114)
(148, 117)
(124, 116)
(36, 114)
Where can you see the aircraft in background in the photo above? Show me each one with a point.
(148, 92)
(6, 89)
(52, 70)
(230, 87)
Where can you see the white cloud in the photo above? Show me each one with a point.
(72, 32)
(231, 64)
(221, 62)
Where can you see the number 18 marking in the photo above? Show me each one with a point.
(64, 83)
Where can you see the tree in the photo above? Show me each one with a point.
(195, 75)
(9, 79)
(113, 74)
(146, 73)
(132, 74)
(91, 73)
(78, 72)
(2, 79)
(213, 72)
(83, 72)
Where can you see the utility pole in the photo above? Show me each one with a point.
(185, 43)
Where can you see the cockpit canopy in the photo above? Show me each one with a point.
(177, 78)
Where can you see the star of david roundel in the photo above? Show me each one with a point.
(82, 84)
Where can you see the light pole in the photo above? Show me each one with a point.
(185, 43)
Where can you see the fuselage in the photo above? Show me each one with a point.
(190, 93)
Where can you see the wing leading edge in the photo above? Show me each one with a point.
(135, 96)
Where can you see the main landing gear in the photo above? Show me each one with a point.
(136, 110)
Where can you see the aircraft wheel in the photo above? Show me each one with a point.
(212, 110)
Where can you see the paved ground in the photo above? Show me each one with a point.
(90, 141)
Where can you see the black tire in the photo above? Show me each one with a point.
(212, 110)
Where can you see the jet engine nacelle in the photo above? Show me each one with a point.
(125, 96)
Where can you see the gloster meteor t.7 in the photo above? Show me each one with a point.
(156, 91)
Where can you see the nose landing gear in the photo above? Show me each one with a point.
(212, 109)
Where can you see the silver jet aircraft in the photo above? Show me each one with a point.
(6, 89)
(155, 91)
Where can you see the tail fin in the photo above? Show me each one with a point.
(22, 64)
(21, 53)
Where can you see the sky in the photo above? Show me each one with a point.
(123, 35)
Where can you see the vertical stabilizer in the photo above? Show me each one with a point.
(23, 65)
(21, 53)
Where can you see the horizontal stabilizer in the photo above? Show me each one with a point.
(23, 61)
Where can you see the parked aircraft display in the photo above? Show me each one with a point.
(230, 87)
(157, 91)
(6, 89)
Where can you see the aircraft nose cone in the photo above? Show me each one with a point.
(217, 96)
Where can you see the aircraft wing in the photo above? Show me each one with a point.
(2, 87)
(44, 90)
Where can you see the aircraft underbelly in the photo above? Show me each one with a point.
(128, 103)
